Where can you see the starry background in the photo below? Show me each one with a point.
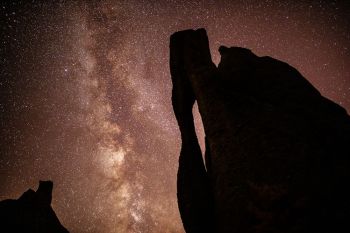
(85, 95)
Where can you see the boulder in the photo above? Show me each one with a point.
(277, 152)
(31, 213)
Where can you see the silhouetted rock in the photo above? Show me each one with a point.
(31, 213)
(277, 152)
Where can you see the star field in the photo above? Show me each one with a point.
(85, 95)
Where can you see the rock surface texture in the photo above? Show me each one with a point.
(31, 213)
(277, 154)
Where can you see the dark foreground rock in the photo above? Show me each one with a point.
(31, 213)
(277, 152)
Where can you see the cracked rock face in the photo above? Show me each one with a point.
(277, 151)
(31, 213)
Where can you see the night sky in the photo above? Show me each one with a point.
(85, 95)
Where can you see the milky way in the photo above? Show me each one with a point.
(85, 95)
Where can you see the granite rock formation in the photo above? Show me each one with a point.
(277, 154)
(31, 213)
